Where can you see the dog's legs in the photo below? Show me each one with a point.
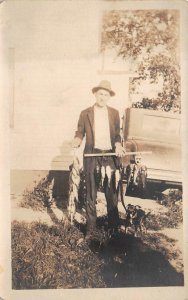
(143, 228)
(136, 230)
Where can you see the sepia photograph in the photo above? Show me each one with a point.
(96, 140)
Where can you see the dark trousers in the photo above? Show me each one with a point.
(108, 187)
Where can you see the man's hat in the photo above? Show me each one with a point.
(105, 85)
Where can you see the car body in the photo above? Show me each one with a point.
(160, 133)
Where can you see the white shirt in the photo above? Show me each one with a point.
(102, 129)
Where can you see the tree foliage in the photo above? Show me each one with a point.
(150, 38)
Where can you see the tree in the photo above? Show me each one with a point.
(151, 39)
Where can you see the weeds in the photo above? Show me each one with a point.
(52, 257)
(37, 197)
(172, 199)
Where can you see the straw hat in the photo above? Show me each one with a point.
(105, 85)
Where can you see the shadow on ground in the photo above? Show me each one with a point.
(143, 261)
(129, 262)
(57, 256)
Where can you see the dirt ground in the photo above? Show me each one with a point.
(151, 259)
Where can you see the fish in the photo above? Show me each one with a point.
(97, 175)
(51, 186)
(71, 207)
(103, 174)
(108, 174)
(74, 183)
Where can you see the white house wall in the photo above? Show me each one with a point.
(55, 62)
(53, 59)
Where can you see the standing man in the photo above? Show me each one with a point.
(101, 125)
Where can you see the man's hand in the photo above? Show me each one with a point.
(120, 151)
(76, 142)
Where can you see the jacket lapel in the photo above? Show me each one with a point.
(90, 115)
(110, 117)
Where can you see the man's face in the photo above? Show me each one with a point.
(102, 97)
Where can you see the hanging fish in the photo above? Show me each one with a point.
(117, 177)
(75, 178)
(103, 173)
(76, 172)
(71, 207)
(98, 175)
(108, 174)
(130, 174)
(135, 174)
(74, 182)
(82, 189)
(51, 187)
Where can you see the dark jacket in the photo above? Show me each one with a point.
(86, 127)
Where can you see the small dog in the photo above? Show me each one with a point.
(135, 216)
(129, 216)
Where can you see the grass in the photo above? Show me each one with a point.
(169, 219)
(37, 197)
(52, 257)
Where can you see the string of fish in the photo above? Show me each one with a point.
(103, 171)
(74, 182)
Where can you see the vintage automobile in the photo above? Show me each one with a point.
(143, 130)
(159, 132)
